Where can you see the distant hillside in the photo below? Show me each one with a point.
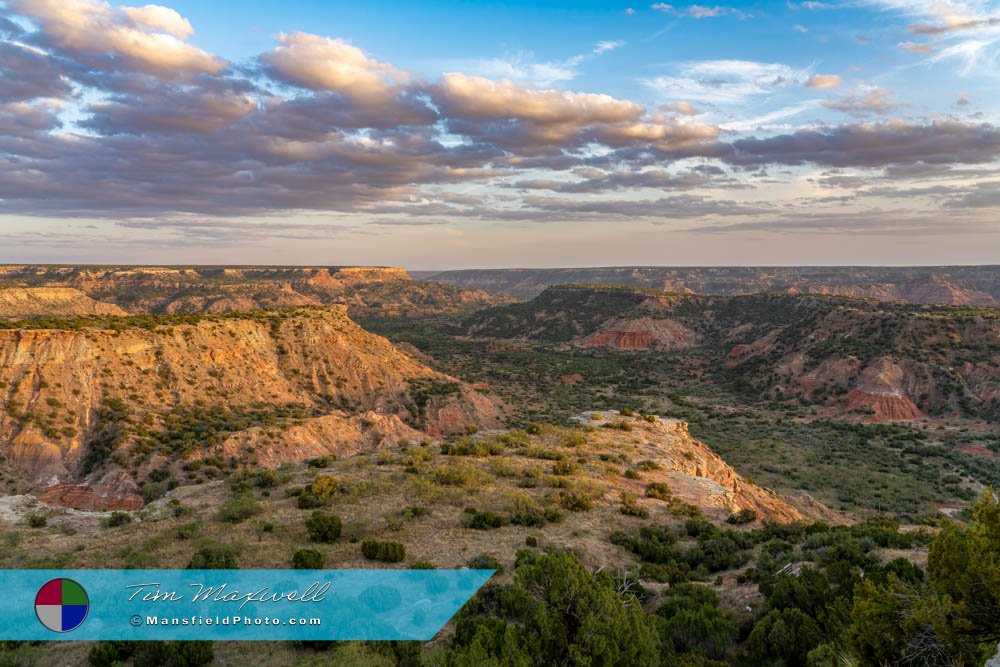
(884, 361)
(113, 400)
(20, 302)
(953, 285)
(151, 289)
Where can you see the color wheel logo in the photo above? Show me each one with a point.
(61, 605)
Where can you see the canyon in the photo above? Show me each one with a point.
(953, 285)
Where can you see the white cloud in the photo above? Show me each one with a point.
(823, 81)
(725, 81)
(148, 39)
(700, 11)
(607, 45)
(321, 63)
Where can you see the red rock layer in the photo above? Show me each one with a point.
(885, 407)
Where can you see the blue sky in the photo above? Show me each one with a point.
(437, 135)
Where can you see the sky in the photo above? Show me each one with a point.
(437, 135)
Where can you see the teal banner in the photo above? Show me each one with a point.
(232, 604)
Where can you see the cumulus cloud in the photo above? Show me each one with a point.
(607, 45)
(147, 39)
(42, 74)
(683, 108)
(876, 101)
(321, 63)
(823, 81)
(529, 120)
(700, 11)
(110, 111)
(725, 81)
(916, 47)
(873, 145)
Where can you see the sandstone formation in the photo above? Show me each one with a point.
(643, 334)
(694, 473)
(891, 361)
(954, 285)
(369, 291)
(56, 384)
(117, 491)
(880, 390)
(28, 302)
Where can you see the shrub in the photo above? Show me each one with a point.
(323, 527)
(526, 512)
(214, 557)
(324, 487)
(422, 565)
(618, 426)
(485, 562)
(630, 506)
(563, 468)
(118, 519)
(456, 475)
(37, 520)
(574, 501)
(239, 509)
(308, 559)
(742, 517)
(307, 500)
(485, 521)
(385, 552)
(659, 491)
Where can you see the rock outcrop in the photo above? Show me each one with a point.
(644, 333)
(116, 491)
(56, 384)
(376, 291)
(952, 285)
(27, 302)
(694, 473)
(880, 390)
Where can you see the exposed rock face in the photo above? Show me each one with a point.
(25, 302)
(337, 434)
(880, 390)
(643, 334)
(788, 348)
(116, 491)
(954, 285)
(375, 291)
(315, 358)
(694, 473)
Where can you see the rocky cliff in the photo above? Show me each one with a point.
(30, 302)
(154, 390)
(367, 291)
(693, 472)
(953, 285)
(884, 362)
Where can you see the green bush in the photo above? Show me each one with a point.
(214, 557)
(630, 506)
(37, 520)
(485, 562)
(485, 520)
(308, 559)
(239, 509)
(323, 527)
(118, 519)
(742, 517)
(575, 501)
(385, 552)
(659, 491)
